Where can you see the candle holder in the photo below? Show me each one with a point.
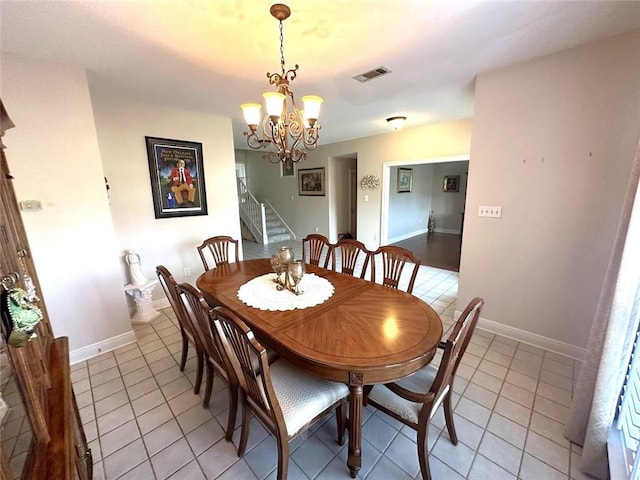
(283, 262)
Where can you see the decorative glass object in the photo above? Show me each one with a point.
(296, 272)
(283, 262)
(277, 267)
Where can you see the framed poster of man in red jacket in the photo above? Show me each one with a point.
(177, 177)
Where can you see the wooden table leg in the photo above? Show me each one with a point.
(355, 423)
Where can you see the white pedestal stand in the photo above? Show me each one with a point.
(142, 296)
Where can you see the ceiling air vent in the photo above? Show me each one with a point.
(370, 75)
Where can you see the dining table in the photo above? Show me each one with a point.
(362, 334)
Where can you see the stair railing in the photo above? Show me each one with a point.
(281, 219)
(252, 213)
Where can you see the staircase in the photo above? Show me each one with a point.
(260, 221)
(277, 230)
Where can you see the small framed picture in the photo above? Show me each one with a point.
(311, 181)
(405, 180)
(177, 177)
(287, 168)
(451, 183)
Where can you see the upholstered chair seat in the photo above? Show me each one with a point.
(419, 382)
(302, 397)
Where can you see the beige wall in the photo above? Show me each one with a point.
(448, 206)
(68, 137)
(122, 125)
(409, 211)
(553, 143)
(53, 154)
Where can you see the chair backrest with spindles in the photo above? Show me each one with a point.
(216, 250)
(316, 250)
(393, 259)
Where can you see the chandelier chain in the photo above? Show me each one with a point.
(281, 47)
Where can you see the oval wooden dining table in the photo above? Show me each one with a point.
(363, 334)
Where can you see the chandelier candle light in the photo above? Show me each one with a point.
(294, 132)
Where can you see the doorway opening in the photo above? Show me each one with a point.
(432, 194)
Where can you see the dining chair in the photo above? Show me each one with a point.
(393, 260)
(187, 329)
(316, 250)
(350, 252)
(199, 311)
(284, 399)
(217, 250)
(414, 400)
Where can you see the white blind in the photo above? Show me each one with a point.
(628, 414)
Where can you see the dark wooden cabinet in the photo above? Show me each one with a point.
(40, 429)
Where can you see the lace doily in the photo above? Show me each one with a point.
(261, 293)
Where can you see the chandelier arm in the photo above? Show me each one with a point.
(311, 137)
(272, 157)
(254, 141)
(290, 75)
(277, 134)
(298, 155)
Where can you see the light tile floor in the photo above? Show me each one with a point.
(143, 420)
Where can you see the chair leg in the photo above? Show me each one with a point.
(341, 417)
(233, 411)
(283, 456)
(200, 359)
(244, 433)
(423, 451)
(448, 417)
(207, 391)
(185, 351)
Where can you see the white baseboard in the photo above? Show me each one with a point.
(546, 343)
(399, 238)
(408, 235)
(450, 231)
(90, 351)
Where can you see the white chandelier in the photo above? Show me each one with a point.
(292, 132)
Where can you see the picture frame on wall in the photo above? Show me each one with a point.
(451, 183)
(287, 168)
(311, 181)
(176, 171)
(405, 180)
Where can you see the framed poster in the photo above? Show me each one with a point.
(177, 177)
(287, 168)
(311, 181)
(405, 180)
(451, 183)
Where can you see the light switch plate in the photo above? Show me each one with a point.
(490, 211)
(30, 205)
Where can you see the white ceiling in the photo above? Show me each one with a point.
(213, 55)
